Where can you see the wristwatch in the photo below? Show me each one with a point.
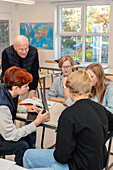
(64, 87)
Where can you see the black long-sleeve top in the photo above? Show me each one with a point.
(81, 135)
(34, 68)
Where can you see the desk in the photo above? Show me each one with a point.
(49, 66)
(84, 65)
(55, 112)
(108, 72)
(54, 67)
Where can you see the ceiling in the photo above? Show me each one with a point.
(47, 1)
(56, 1)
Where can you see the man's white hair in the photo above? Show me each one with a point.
(20, 38)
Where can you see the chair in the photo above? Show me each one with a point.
(42, 86)
(108, 153)
(50, 61)
(53, 71)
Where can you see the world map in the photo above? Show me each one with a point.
(40, 35)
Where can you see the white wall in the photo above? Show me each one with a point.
(26, 13)
(40, 13)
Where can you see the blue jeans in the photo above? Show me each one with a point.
(42, 159)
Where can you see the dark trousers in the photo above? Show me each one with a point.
(32, 137)
(18, 148)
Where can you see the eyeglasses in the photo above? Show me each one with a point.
(66, 67)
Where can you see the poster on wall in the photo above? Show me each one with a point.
(4, 33)
(40, 35)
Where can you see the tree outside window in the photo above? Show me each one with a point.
(85, 42)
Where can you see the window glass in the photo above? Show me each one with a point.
(72, 46)
(84, 32)
(71, 19)
(96, 49)
(97, 19)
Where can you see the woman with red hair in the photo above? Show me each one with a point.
(16, 140)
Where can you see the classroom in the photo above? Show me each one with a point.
(68, 37)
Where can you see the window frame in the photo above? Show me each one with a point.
(59, 33)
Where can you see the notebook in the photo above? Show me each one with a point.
(36, 102)
(32, 115)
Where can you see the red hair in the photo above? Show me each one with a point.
(16, 76)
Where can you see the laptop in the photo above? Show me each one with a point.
(32, 115)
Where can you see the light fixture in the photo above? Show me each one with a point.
(30, 2)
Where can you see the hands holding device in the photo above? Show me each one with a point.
(41, 118)
(33, 108)
(39, 115)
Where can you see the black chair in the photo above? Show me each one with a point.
(108, 152)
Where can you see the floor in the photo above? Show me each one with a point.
(50, 135)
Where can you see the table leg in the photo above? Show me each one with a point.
(42, 140)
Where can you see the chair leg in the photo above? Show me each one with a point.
(109, 147)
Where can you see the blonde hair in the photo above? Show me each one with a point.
(79, 82)
(100, 86)
(65, 58)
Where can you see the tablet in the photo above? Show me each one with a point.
(32, 115)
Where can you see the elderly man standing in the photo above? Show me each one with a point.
(23, 55)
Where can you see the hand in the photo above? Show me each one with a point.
(33, 109)
(64, 80)
(41, 118)
(31, 94)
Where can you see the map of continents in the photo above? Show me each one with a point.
(40, 35)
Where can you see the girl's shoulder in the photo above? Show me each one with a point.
(57, 80)
(60, 77)
(109, 84)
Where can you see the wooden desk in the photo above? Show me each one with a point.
(54, 67)
(50, 66)
(84, 65)
(108, 72)
(55, 112)
(50, 61)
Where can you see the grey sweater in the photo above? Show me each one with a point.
(8, 129)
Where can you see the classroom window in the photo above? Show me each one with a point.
(69, 47)
(83, 32)
(71, 19)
